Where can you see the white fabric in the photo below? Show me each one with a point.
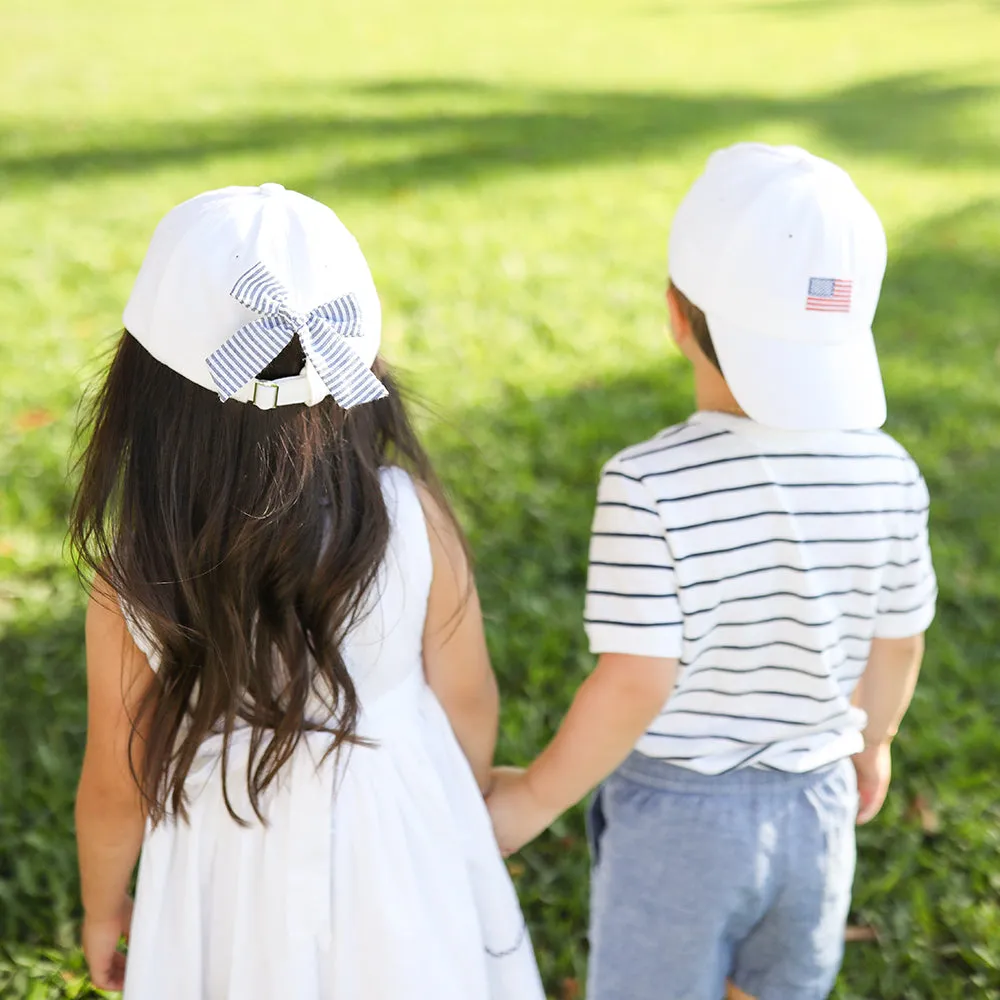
(760, 231)
(181, 309)
(377, 878)
(765, 561)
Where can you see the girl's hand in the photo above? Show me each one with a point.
(518, 816)
(874, 767)
(100, 947)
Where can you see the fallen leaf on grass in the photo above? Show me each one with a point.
(516, 869)
(570, 989)
(920, 809)
(854, 934)
(33, 419)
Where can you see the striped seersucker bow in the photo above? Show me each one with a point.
(322, 331)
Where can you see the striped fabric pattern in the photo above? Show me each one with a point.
(322, 331)
(765, 562)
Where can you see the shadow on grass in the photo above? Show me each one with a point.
(939, 334)
(461, 130)
(42, 726)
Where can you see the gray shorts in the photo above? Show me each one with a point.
(696, 879)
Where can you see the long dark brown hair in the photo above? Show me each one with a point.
(245, 543)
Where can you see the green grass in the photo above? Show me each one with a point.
(511, 167)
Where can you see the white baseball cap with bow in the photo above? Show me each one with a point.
(232, 275)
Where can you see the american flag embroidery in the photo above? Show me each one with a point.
(831, 295)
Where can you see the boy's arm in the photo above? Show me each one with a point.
(887, 685)
(633, 621)
(456, 660)
(884, 694)
(610, 712)
(905, 610)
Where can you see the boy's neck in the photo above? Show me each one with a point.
(712, 392)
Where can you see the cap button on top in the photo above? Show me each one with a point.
(271, 188)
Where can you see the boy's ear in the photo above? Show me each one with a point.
(679, 325)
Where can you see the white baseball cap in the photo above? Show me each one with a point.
(232, 275)
(785, 257)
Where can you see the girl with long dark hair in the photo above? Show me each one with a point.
(290, 700)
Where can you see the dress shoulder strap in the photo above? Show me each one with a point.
(140, 636)
(410, 540)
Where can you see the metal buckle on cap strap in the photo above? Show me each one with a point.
(265, 395)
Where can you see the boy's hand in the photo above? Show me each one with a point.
(874, 767)
(518, 817)
(100, 947)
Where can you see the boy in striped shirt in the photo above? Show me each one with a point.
(760, 582)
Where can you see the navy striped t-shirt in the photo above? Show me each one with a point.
(765, 561)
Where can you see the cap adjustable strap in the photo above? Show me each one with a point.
(267, 394)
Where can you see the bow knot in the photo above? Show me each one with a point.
(323, 332)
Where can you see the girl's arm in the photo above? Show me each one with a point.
(456, 660)
(109, 810)
(612, 709)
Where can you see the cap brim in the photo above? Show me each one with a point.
(802, 386)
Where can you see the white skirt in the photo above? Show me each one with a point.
(376, 878)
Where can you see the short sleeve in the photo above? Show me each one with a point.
(632, 604)
(908, 591)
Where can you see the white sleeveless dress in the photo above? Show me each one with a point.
(376, 878)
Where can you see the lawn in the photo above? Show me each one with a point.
(511, 167)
